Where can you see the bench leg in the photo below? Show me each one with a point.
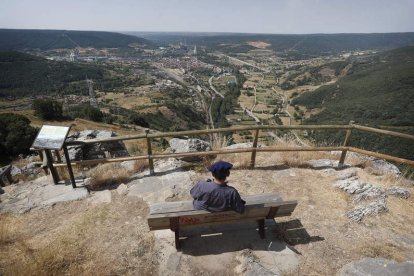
(261, 223)
(175, 226)
(177, 239)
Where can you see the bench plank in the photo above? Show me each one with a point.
(187, 206)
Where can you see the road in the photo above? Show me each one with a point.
(248, 112)
(213, 88)
(255, 94)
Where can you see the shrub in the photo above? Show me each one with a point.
(108, 175)
(47, 109)
(16, 134)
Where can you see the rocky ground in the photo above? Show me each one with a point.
(337, 227)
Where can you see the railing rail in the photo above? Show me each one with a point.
(254, 149)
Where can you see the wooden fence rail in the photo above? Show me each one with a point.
(253, 150)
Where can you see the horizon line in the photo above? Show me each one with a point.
(205, 32)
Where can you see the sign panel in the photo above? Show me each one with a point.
(51, 137)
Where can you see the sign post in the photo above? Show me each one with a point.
(53, 138)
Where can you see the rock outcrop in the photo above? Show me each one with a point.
(189, 145)
(349, 181)
(96, 150)
(377, 267)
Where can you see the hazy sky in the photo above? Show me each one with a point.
(259, 16)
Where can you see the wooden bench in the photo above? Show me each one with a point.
(5, 172)
(181, 214)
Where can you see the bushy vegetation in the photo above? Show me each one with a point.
(377, 92)
(224, 106)
(88, 112)
(16, 135)
(158, 121)
(48, 109)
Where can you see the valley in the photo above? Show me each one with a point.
(169, 85)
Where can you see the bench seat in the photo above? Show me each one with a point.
(181, 214)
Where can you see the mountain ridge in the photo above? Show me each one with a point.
(20, 39)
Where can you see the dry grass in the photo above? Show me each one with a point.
(239, 160)
(8, 227)
(104, 240)
(294, 158)
(375, 249)
(140, 166)
(136, 147)
(106, 175)
(219, 141)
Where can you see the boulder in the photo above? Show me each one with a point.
(373, 208)
(385, 167)
(122, 189)
(189, 145)
(31, 169)
(319, 164)
(96, 150)
(15, 171)
(128, 165)
(399, 192)
(242, 146)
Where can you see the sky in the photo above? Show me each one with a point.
(243, 16)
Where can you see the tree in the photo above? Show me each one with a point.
(16, 135)
(47, 109)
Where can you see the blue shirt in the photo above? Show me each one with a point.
(216, 197)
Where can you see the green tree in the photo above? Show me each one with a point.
(16, 135)
(47, 109)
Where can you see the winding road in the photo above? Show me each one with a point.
(210, 82)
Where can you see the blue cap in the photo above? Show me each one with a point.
(220, 166)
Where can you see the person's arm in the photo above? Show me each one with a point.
(238, 203)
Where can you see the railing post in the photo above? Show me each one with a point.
(347, 137)
(70, 171)
(52, 169)
(253, 158)
(149, 151)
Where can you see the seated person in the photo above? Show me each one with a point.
(215, 195)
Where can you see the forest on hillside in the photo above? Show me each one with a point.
(14, 39)
(378, 92)
(27, 75)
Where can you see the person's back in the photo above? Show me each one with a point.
(217, 196)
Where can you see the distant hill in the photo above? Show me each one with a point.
(378, 91)
(22, 74)
(11, 39)
(303, 43)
